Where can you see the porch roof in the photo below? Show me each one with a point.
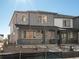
(37, 27)
(69, 29)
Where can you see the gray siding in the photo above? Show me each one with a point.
(76, 23)
(34, 19)
(19, 18)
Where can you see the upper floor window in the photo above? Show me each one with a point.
(43, 19)
(66, 23)
(24, 18)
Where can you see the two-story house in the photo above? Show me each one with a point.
(40, 27)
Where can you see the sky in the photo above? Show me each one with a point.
(7, 8)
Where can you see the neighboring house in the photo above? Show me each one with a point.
(40, 27)
(1, 37)
(1, 42)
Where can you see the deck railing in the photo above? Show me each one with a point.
(36, 41)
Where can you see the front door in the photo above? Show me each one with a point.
(64, 38)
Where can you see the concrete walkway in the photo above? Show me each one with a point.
(40, 48)
(63, 48)
(43, 48)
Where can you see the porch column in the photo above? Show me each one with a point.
(56, 36)
(17, 34)
(43, 32)
(66, 36)
(78, 37)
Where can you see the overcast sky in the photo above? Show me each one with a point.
(7, 7)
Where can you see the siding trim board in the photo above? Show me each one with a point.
(71, 29)
(38, 27)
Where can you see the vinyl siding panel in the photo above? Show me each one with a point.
(19, 18)
(76, 23)
(59, 22)
(34, 19)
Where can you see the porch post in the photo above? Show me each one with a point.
(77, 37)
(17, 34)
(44, 36)
(56, 36)
(66, 36)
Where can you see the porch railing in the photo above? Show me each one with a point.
(36, 41)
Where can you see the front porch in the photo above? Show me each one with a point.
(37, 35)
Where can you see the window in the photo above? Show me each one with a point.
(23, 18)
(66, 23)
(37, 35)
(29, 35)
(34, 34)
(23, 34)
(71, 35)
(43, 19)
(63, 35)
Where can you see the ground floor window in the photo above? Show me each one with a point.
(37, 34)
(69, 37)
(26, 34)
(29, 35)
(63, 35)
(70, 34)
(23, 34)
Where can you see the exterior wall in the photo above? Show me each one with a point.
(19, 18)
(34, 19)
(16, 19)
(59, 22)
(76, 23)
(13, 37)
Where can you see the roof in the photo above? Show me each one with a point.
(76, 17)
(46, 12)
(63, 16)
(69, 29)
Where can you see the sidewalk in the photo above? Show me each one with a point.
(62, 51)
